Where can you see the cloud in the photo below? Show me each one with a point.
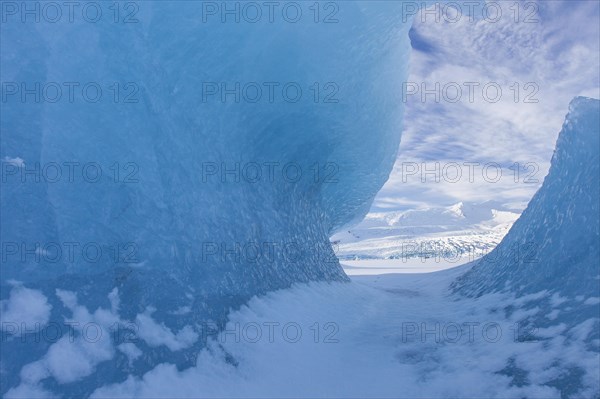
(537, 59)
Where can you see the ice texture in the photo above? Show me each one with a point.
(154, 219)
(553, 246)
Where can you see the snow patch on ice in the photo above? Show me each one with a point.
(156, 334)
(380, 336)
(24, 307)
(18, 162)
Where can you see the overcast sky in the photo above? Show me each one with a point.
(540, 54)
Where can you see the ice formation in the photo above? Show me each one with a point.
(181, 157)
(164, 163)
(553, 246)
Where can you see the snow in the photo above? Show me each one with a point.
(387, 266)
(132, 175)
(554, 244)
(75, 355)
(156, 334)
(392, 335)
(455, 234)
(175, 320)
(413, 334)
(132, 351)
(24, 308)
(18, 162)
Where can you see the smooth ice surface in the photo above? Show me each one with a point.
(160, 127)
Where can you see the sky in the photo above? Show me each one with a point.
(506, 75)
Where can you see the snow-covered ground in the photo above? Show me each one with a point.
(419, 265)
(395, 330)
(388, 335)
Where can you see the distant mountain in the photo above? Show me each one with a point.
(462, 229)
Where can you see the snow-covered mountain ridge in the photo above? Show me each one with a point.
(464, 229)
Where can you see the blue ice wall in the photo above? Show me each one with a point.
(554, 245)
(159, 130)
(188, 153)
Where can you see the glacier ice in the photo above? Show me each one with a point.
(549, 260)
(553, 246)
(171, 135)
(119, 191)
